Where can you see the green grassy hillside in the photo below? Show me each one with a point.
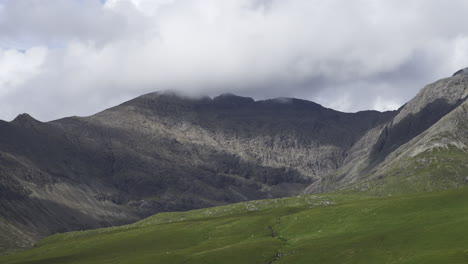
(423, 228)
(432, 170)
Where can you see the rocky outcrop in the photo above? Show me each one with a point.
(434, 118)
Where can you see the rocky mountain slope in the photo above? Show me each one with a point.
(436, 158)
(166, 152)
(423, 148)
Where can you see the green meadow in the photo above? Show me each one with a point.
(331, 228)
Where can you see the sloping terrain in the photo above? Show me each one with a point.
(423, 228)
(434, 160)
(164, 152)
(424, 148)
(13, 238)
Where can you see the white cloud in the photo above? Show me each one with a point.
(382, 104)
(19, 67)
(460, 52)
(344, 54)
(147, 7)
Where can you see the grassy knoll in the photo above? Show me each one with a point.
(422, 228)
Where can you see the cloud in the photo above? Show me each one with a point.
(55, 22)
(382, 104)
(16, 69)
(348, 55)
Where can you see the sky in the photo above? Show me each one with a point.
(77, 57)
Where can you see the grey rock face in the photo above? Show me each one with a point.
(426, 109)
(436, 117)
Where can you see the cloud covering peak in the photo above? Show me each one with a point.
(67, 57)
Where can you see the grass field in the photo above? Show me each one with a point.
(423, 228)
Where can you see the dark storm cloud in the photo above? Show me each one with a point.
(75, 57)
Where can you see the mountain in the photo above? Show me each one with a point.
(423, 148)
(167, 152)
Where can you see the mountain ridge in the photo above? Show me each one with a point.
(165, 152)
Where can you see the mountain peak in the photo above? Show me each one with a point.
(24, 118)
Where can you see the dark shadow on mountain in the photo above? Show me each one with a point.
(147, 175)
(394, 136)
(141, 169)
(45, 217)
